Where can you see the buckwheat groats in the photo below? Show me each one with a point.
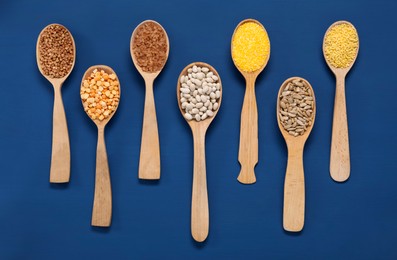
(56, 51)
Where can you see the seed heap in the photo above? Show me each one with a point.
(296, 107)
(56, 51)
(341, 45)
(199, 93)
(250, 47)
(100, 94)
(150, 47)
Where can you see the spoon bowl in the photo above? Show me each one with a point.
(255, 72)
(199, 210)
(294, 185)
(102, 208)
(149, 162)
(208, 120)
(248, 148)
(340, 151)
(60, 157)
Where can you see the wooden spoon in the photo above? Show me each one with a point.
(200, 215)
(340, 154)
(294, 185)
(149, 162)
(60, 157)
(102, 209)
(248, 149)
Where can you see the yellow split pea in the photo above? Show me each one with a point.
(341, 45)
(100, 94)
(250, 47)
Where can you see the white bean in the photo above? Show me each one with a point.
(199, 93)
(188, 116)
(185, 90)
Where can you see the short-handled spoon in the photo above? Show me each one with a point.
(60, 158)
(340, 151)
(149, 162)
(248, 149)
(294, 185)
(200, 211)
(102, 209)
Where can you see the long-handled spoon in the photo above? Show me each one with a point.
(102, 209)
(149, 162)
(294, 185)
(200, 212)
(340, 152)
(248, 149)
(60, 158)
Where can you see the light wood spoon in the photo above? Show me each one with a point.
(102, 209)
(60, 157)
(294, 185)
(149, 162)
(340, 152)
(200, 212)
(248, 149)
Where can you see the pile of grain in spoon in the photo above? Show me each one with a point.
(56, 50)
(296, 103)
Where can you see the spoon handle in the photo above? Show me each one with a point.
(200, 218)
(248, 150)
(294, 190)
(102, 210)
(149, 163)
(340, 154)
(60, 158)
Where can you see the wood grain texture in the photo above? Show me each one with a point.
(60, 157)
(200, 215)
(149, 162)
(294, 184)
(200, 208)
(102, 208)
(294, 189)
(248, 149)
(340, 152)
